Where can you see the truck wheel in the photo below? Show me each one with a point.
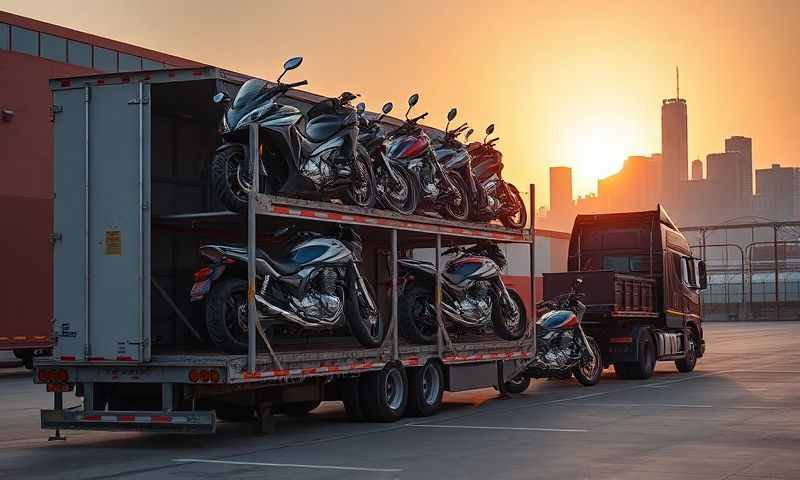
(518, 384)
(590, 371)
(508, 325)
(298, 409)
(425, 389)
(384, 394)
(417, 315)
(225, 319)
(686, 365)
(351, 398)
(643, 368)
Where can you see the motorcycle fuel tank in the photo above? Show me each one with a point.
(471, 268)
(452, 158)
(408, 146)
(559, 320)
(320, 250)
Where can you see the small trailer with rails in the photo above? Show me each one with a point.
(132, 206)
(641, 286)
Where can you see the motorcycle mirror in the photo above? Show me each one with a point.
(290, 64)
(220, 97)
(387, 107)
(412, 100)
(489, 131)
(469, 132)
(361, 107)
(451, 115)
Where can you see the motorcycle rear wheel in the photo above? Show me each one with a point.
(362, 193)
(520, 219)
(401, 194)
(369, 332)
(505, 327)
(223, 310)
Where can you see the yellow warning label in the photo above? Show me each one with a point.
(113, 242)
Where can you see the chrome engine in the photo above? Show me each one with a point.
(324, 302)
(476, 308)
(317, 169)
(555, 350)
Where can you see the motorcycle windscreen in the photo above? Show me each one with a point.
(101, 263)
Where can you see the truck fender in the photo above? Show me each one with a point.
(623, 346)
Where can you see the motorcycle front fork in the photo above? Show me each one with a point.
(586, 343)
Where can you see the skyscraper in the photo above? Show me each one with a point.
(744, 147)
(674, 150)
(697, 169)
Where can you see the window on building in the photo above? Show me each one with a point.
(129, 63)
(105, 60)
(24, 40)
(5, 34)
(53, 48)
(148, 64)
(79, 54)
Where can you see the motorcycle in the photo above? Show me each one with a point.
(562, 347)
(473, 295)
(440, 190)
(321, 160)
(316, 286)
(395, 184)
(502, 199)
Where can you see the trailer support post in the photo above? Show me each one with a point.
(437, 296)
(252, 313)
(532, 266)
(58, 405)
(394, 319)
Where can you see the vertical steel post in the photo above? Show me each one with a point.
(395, 319)
(252, 312)
(438, 296)
(532, 254)
(775, 229)
(86, 233)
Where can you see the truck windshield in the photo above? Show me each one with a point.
(625, 263)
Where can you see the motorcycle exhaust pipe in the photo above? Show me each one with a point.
(456, 317)
(292, 317)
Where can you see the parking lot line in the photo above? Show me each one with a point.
(673, 405)
(478, 427)
(290, 465)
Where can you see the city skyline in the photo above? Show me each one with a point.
(553, 78)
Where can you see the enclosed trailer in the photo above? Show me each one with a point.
(132, 207)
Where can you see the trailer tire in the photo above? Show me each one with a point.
(517, 385)
(425, 389)
(384, 394)
(349, 389)
(686, 365)
(298, 409)
(218, 310)
(415, 325)
(643, 368)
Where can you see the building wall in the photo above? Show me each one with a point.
(778, 192)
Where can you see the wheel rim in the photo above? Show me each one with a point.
(359, 191)
(238, 181)
(394, 389)
(431, 384)
(512, 314)
(590, 367)
(517, 381)
(457, 206)
(235, 315)
(423, 316)
(396, 191)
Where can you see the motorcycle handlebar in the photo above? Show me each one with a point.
(417, 119)
(297, 84)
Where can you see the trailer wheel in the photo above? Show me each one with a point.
(384, 394)
(686, 365)
(517, 385)
(425, 389)
(351, 398)
(226, 327)
(298, 409)
(643, 368)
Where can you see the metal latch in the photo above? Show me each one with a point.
(55, 237)
(53, 110)
(137, 101)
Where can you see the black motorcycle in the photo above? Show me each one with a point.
(562, 347)
(395, 184)
(473, 295)
(501, 199)
(317, 285)
(320, 161)
(440, 190)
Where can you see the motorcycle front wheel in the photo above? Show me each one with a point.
(398, 194)
(366, 324)
(519, 218)
(457, 206)
(417, 315)
(361, 192)
(507, 324)
(590, 370)
(231, 178)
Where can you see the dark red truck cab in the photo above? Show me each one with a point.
(642, 288)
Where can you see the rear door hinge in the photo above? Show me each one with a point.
(137, 101)
(55, 237)
(53, 110)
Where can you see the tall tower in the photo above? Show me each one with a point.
(674, 147)
(744, 147)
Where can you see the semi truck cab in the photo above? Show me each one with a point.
(642, 288)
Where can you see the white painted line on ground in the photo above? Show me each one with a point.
(289, 465)
(638, 405)
(792, 372)
(478, 427)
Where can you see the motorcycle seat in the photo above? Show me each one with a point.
(323, 127)
(281, 265)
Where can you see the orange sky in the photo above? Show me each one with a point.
(567, 83)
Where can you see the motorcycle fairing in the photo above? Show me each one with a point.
(407, 146)
(465, 269)
(559, 320)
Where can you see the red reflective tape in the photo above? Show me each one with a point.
(67, 358)
(101, 82)
(160, 419)
(333, 368)
(65, 83)
(125, 358)
(197, 73)
(91, 418)
(280, 373)
(171, 74)
(126, 418)
(126, 79)
(620, 340)
(308, 371)
(95, 359)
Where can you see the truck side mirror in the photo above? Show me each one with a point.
(702, 276)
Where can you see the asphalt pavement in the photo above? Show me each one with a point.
(734, 418)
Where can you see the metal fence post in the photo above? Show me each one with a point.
(775, 229)
(252, 312)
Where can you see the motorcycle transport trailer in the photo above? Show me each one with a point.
(132, 206)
